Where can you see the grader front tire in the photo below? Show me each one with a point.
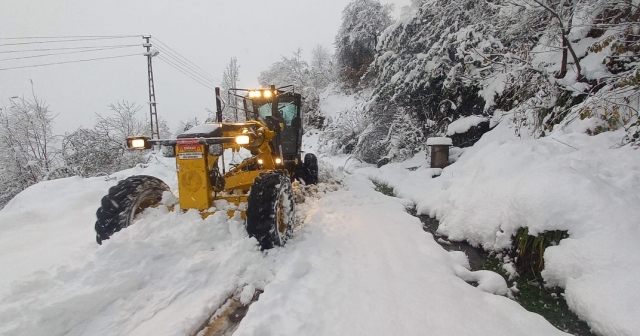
(310, 169)
(124, 201)
(271, 209)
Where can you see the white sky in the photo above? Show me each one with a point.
(207, 32)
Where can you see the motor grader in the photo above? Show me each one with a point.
(260, 187)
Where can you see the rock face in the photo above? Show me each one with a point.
(471, 136)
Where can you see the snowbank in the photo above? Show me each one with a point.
(573, 182)
(162, 276)
(463, 124)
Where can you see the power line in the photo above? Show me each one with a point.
(182, 62)
(189, 68)
(63, 53)
(76, 61)
(164, 44)
(207, 83)
(60, 41)
(185, 73)
(64, 37)
(68, 48)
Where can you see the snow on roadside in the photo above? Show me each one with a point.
(463, 124)
(161, 276)
(571, 181)
(362, 265)
(333, 101)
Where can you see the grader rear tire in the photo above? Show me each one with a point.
(271, 209)
(124, 201)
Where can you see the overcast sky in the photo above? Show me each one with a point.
(207, 32)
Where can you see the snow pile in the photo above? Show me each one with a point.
(573, 182)
(162, 276)
(463, 124)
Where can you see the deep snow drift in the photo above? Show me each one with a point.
(358, 265)
(566, 181)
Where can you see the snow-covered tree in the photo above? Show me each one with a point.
(184, 126)
(124, 121)
(308, 80)
(27, 145)
(230, 79)
(322, 67)
(362, 23)
(102, 149)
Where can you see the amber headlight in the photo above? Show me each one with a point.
(243, 139)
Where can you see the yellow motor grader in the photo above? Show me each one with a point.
(259, 187)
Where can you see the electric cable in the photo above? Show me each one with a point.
(190, 69)
(67, 48)
(66, 62)
(187, 65)
(63, 53)
(164, 44)
(66, 37)
(185, 73)
(61, 41)
(181, 61)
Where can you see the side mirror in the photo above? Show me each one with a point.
(138, 143)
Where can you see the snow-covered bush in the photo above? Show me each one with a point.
(89, 152)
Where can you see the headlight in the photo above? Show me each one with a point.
(278, 161)
(255, 94)
(260, 161)
(138, 143)
(267, 94)
(243, 139)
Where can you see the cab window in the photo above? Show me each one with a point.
(289, 112)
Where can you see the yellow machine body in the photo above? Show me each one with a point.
(194, 163)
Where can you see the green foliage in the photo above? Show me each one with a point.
(529, 250)
(383, 188)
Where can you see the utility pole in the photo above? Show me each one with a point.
(153, 112)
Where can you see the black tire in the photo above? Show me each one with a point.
(271, 209)
(310, 169)
(124, 201)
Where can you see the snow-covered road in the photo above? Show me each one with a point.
(360, 265)
(363, 266)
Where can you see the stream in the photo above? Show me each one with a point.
(532, 294)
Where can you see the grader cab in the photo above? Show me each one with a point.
(259, 187)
